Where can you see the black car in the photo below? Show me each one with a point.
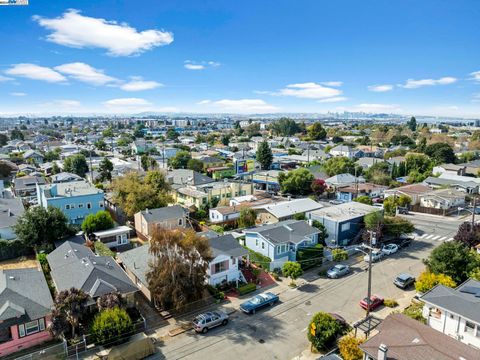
(404, 280)
(403, 242)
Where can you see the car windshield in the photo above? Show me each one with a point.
(366, 300)
(256, 300)
(338, 267)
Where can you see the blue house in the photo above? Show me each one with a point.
(281, 241)
(76, 199)
(343, 222)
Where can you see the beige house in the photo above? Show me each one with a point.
(170, 217)
(414, 191)
(444, 199)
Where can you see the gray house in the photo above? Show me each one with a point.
(168, 217)
(10, 211)
(75, 265)
(343, 222)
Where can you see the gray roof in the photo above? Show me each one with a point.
(10, 211)
(27, 182)
(432, 180)
(24, 296)
(136, 260)
(461, 301)
(341, 179)
(344, 212)
(65, 177)
(291, 207)
(293, 231)
(75, 265)
(165, 213)
(188, 177)
(226, 245)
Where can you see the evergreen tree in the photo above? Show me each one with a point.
(412, 123)
(264, 155)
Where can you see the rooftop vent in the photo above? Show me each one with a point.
(11, 277)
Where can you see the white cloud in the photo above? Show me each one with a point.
(476, 98)
(475, 76)
(119, 39)
(18, 94)
(332, 83)
(64, 104)
(414, 84)
(309, 90)
(4, 78)
(167, 109)
(201, 65)
(204, 102)
(241, 106)
(85, 73)
(127, 103)
(381, 88)
(333, 99)
(138, 84)
(35, 72)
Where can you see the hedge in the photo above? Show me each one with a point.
(259, 259)
(309, 257)
(10, 249)
(248, 288)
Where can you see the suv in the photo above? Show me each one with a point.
(203, 322)
(404, 280)
(402, 210)
(377, 255)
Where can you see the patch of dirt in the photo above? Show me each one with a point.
(19, 263)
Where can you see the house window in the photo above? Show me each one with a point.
(279, 251)
(122, 239)
(263, 245)
(234, 261)
(100, 203)
(256, 242)
(31, 327)
(89, 205)
(345, 227)
(67, 207)
(72, 206)
(469, 327)
(80, 206)
(41, 322)
(21, 330)
(221, 266)
(180, 222)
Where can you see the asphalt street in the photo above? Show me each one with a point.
(280, 332)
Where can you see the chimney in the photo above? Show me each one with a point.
(382, 352)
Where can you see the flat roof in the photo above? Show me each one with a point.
(345, 211)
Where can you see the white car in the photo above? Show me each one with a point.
(376, 256)
(390, 249)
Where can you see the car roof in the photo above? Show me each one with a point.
(404, 276)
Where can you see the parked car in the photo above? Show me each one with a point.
(336, 202)
(204, 322)
(377, 255)
(403, 242)
(259, 301)
(338, 271)
(375, 301)
(402, 210)
(390, 249)
(404, 280)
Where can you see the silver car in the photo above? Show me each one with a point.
(203, 322)
(338, 271)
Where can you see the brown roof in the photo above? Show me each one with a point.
(362, 187)
(408, 339)
(414, 189)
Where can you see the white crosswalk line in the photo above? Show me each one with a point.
(425, 234)
(450, 239)
(435, 237)
(429, 236)
(443, 238)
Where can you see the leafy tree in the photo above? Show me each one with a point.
(379, 173)
(76, 164)
(111, 324)
(441, 153)
(147, 162)
(101, 145)
(52, 155)
(17, 134)
(247, 218)
(373, 221)
(108, 132)
(467, 235)
(110, 301)
(285, 127)
(178, 273)
(292, 270)
(339, 165)
(453, 259)
(422, 144)
(323, 230)
(157, 180)
(365, 199)
(3, 139)
(323, 331)
(180, 160)
(475, 274)
(69, 307)
(391, 203)
(172, 134)
(299, 216)
(102, 220)
(264, 155)
(138, 132)
(225, 139)
(412, 124)
(55, 169)
(195, 165)
(316, 131)
(403, 140)
(427, 280)
(318, 186)
(419, 162)
(39, 227)
(105, 169)
(133, 194)
(339, 255)
(296, 182)
(349, 347)
(337, 139)
(396, 226)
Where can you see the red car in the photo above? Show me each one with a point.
(375, 301)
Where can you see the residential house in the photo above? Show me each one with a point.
(28, 169)
(76, 199)
(267, 180)
(25, 187)
(350, 192)
(10, 211)
(450, 169)
(117, 237)
(33, 155)
(64, 177)
(371, 151)
(459, 178)
(472, 168)
(25, 312)
(455, 312)
(211, 162)
(368, 162)
(222, 172)
(225, 214)
(397, 160)
(413, 191)
(341, 180)
(346, 151)
(169, 217)
(8, 168)
(75, 265)
(182, 177)
(444, 199)
(469, 187)
(343, 222)
(142, 146)
(280, 241)
(136, 262)
(402, 338)
(285, 210)
(316, 155)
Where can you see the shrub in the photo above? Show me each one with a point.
(323, 330)
(103, 250)
(428, 280)
(391, 303)
(414, 311)
(111, 324)
(248, 288)
(217, 228)
(300, 216)
(10, 249)
(259, 259)
(309, 257)
(292, 270)
(349, 347)
(339, 255)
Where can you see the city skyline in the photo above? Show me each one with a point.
(270, 57)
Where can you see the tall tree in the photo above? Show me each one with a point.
(247, 218)
(17, 134)
(296, 182)
(412, 124)
(323, 330)
(316, 131)
(285, 127)
(339, 165)
(102, 220)
(69, 306)
(264, 155)
(195, 165)
(105, 169)
(3, 139)
(76, 164)
(178, 271)
(180, 160)
(468, 235)
(441, 153)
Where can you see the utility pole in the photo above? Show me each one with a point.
(473, 212)
(373, 240)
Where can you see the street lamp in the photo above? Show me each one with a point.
(373, 240)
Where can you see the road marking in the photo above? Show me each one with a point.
(443, 238)
(421, 237)
(450, 239)
(429, 236)
(436, 237)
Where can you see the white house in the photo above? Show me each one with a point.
(115, 237)
(455, 312)
(444, 199)
(346, 151)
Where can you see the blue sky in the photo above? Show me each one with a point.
(105, 56)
